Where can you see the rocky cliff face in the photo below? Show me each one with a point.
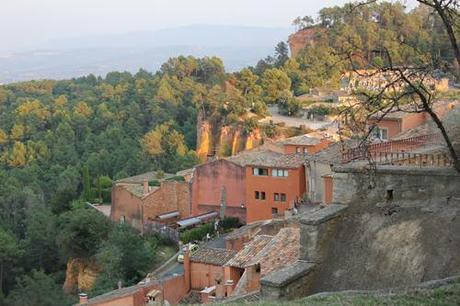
(302, 38)
(214, 139)
(80, 274)
(225, 140)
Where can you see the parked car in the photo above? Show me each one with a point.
(192, 247)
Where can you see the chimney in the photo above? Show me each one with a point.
(187, 276)
(83, 299)
(146, 187)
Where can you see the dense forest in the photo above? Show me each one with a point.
(61, 141)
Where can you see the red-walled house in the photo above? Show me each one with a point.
(305, 144)
(274, 182)
(395, 123)
(216, 182)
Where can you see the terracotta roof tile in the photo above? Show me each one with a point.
(249, 251)
(217, 257)
(280, 252)
(139, 179)
(268, 158)
(304, 140)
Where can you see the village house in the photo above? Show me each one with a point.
(376, 80)
(207, 267)
(305, 144)
(216, 183)
(136, 202)
(258, 184)
(395, 123)
(261, 256)
(274, 182)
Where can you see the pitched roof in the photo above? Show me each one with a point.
(249, 251)
(282, 250)
(333, 153)
(305, 140)
(268, 158)
(139, 179)
(138, 190)
(217, 257)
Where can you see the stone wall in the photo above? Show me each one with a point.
(401, 228)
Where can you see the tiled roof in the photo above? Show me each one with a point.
(186, 172)
(281, 251)
(268, 158)
(217, 257)
(139, 179)
(138, 190)
(249, 251)
(333, 153)
(304, 140)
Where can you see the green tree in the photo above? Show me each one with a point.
(86, 184)
(9, 255)
(81, 232)
(125, 255)
(38, 289)
(281, 54)
(274, 83)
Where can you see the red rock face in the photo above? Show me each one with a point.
(301, 39)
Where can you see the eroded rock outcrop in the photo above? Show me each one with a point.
(80, 274)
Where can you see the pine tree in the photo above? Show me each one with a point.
(86, 184)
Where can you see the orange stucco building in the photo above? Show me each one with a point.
(274, 182)
(395, 123)
(305, 144)
(136, 203)
(218, 181)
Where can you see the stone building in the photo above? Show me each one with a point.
(136, 203)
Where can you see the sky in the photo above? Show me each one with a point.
(25, 23)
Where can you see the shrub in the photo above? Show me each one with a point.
(154, 183)
(176, 178)
(230, 222)
(197, 233)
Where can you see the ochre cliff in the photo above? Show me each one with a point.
(225, 141)
(302, 38)
(80, 274)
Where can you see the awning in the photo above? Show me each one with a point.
(153, 293)
(188, 222)
(168, 215)
(207, 216)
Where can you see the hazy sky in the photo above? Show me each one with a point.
(24, 23)
(27, 22)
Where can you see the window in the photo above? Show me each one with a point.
(283, 197)
(276, 197)
(380, 133)
(390, 195)
(260, 171)
(384, 134)
(305, 150)
(260, 195)
(122, 220)
(279, 172)
(274, 211)
(298, 150)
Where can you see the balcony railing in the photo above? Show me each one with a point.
(393, 146)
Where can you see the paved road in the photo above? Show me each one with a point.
(294, 121)
(174, 267)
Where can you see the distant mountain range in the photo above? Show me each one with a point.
(238, 46)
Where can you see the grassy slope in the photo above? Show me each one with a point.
(446, 296)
